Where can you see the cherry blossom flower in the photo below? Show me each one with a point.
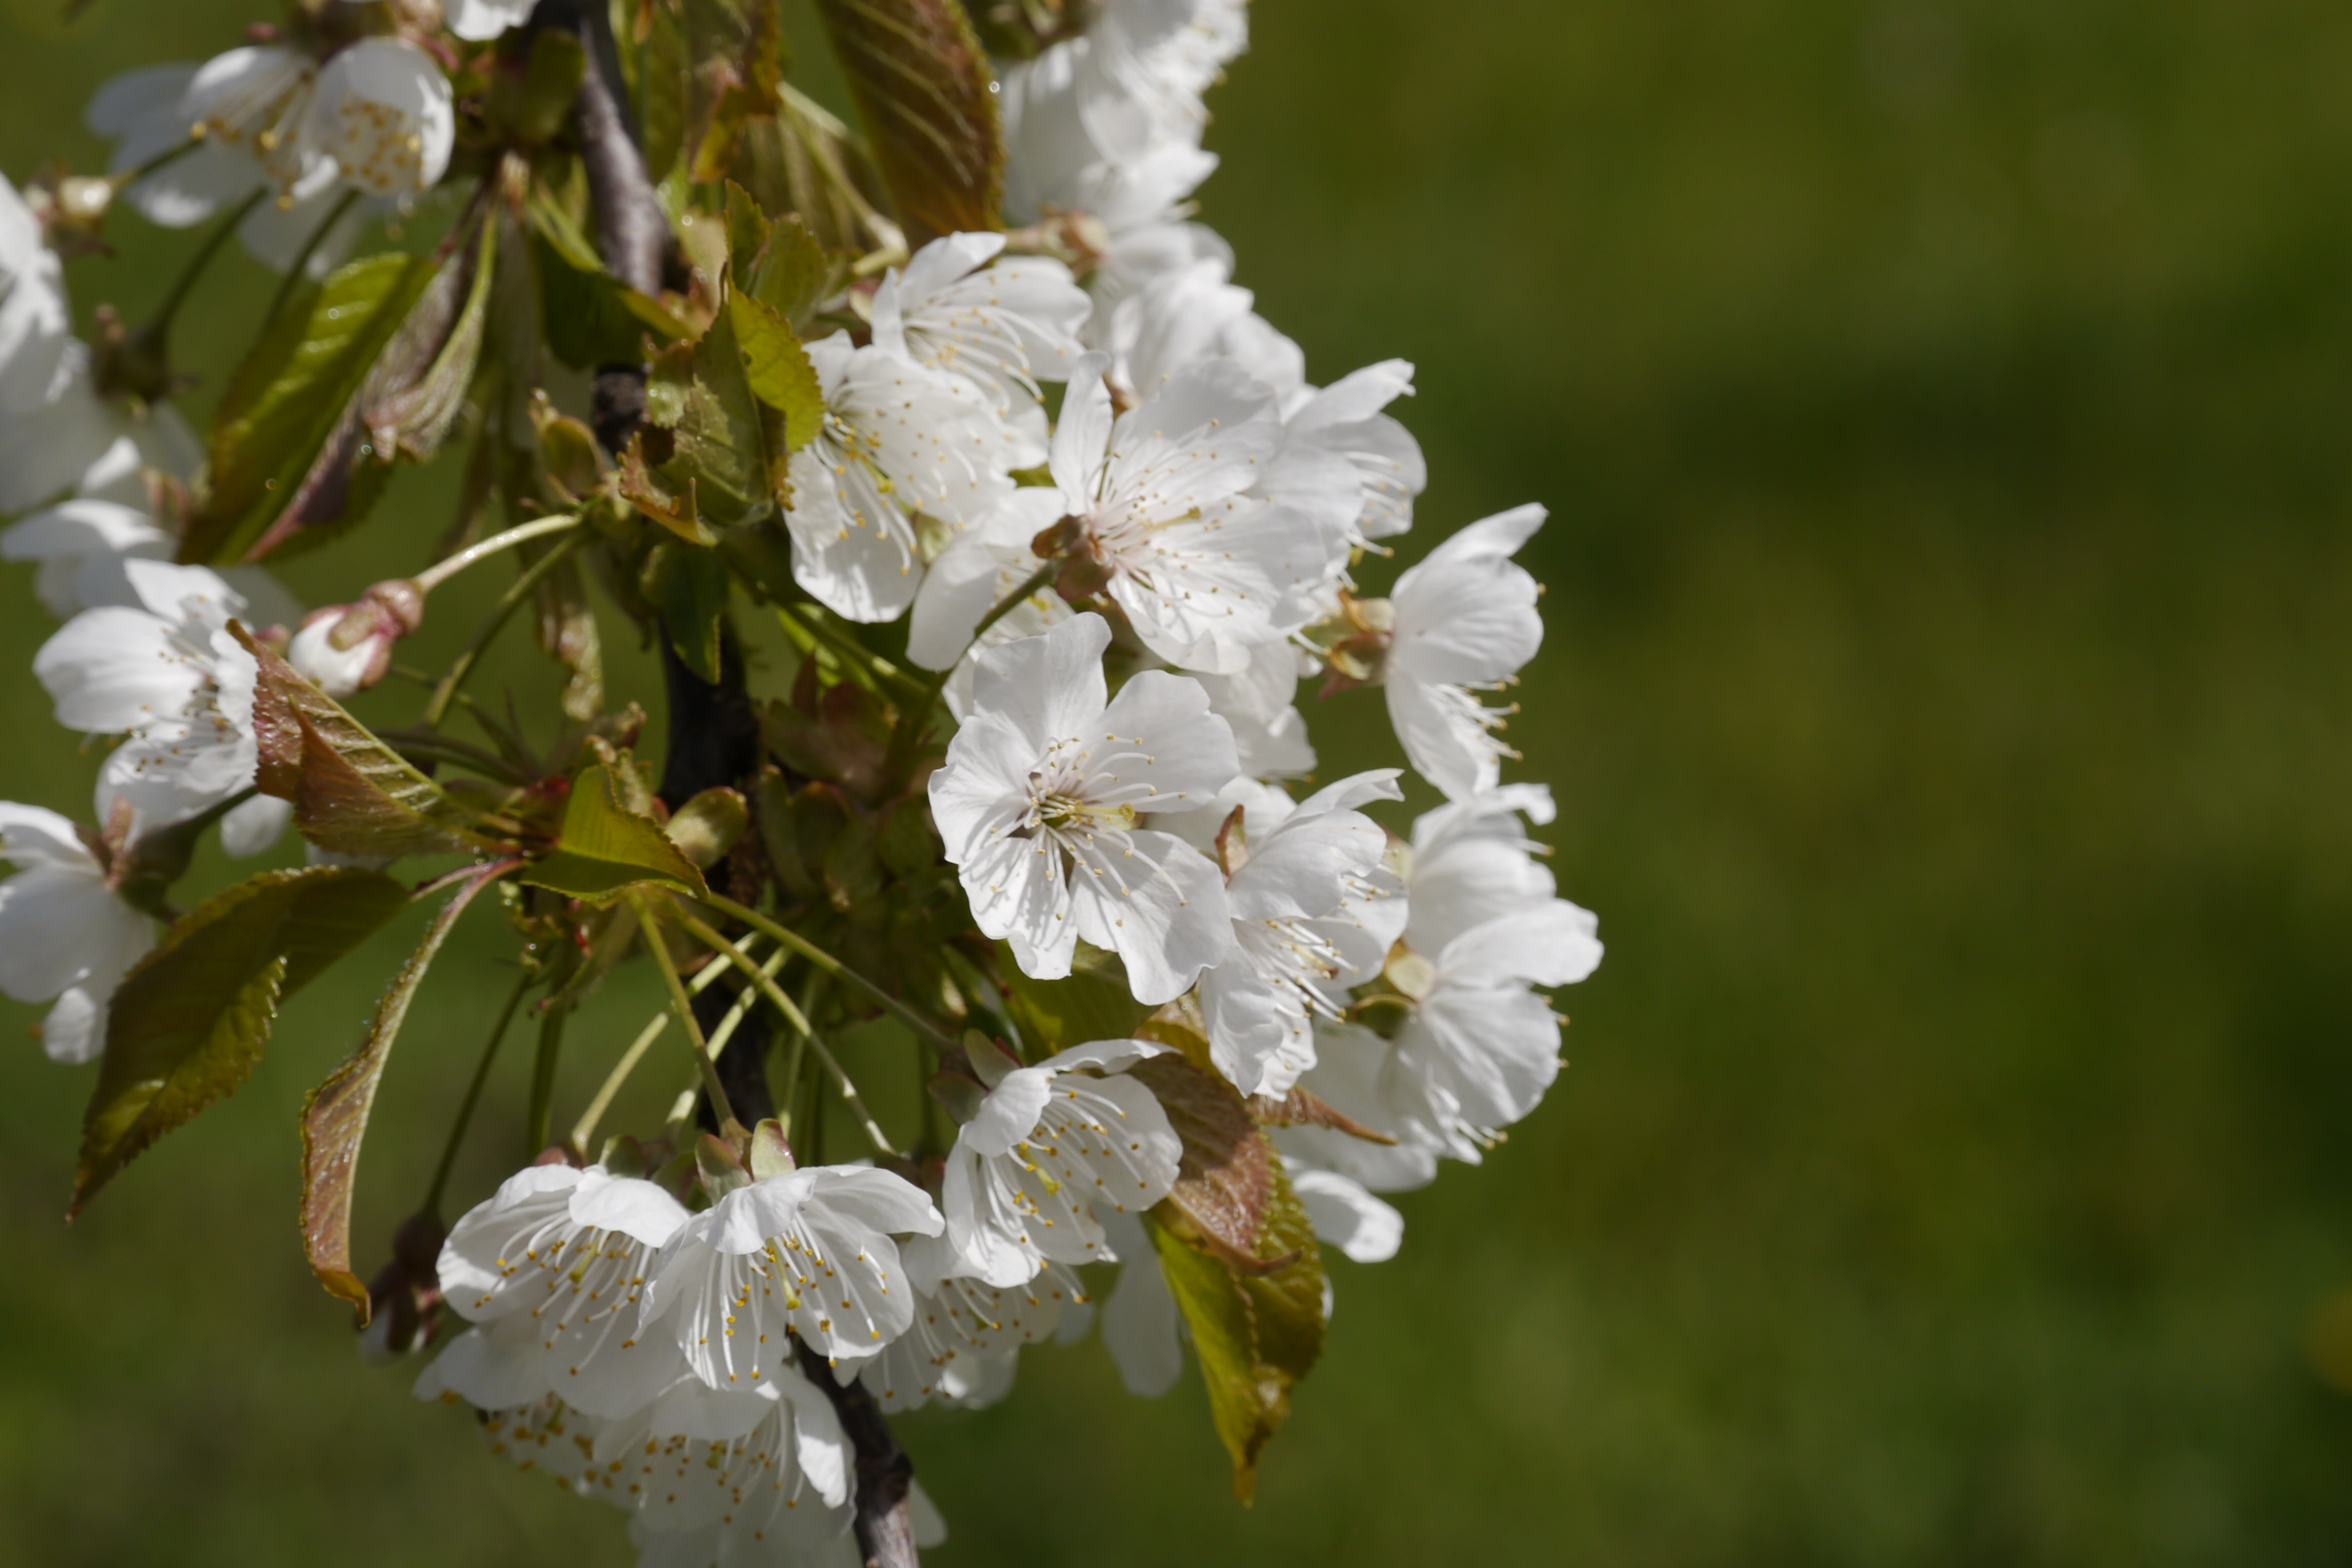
(1046, 1146)
(1194, 313)
(477, 21)
(1162, 506)
(1338, 435)
(966, 1336)
(1003, 327)
(1479, 1047)
(377, 117)
(1039, 802)
(167, 674)
(756, 1475)
(64, 934)
(382, 111)
(1465, 622)
(898, 441)
(1315, 911)
(550, 1269)
(807, 1252)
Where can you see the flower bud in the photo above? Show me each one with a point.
(345, 648)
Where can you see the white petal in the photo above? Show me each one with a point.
(383, 112)
(1346, 1217)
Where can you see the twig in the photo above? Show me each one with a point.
(432, 1204)
(710, 936)
(585, 1128)
(683, 1005)
(444, 694)
(924, 1028)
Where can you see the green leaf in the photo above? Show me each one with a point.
(605, 849)
(922, 83)
(290, 396)
(1256, 1335)
(777, 368)
(663, 73)
(186, 1026)
(591, 316)
(793, 273)
(353, 793)
(335, 1117)
(1091, 1003)
(704, 399)
(689, 586)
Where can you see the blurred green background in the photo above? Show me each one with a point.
(1949, 692)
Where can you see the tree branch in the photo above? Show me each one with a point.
(633, 234)
(714, 734)
(885, 1521)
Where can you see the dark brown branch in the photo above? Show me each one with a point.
(885, 1519)
(633, 234)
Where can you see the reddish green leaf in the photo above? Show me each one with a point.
(353, 795)
(1255, 1334)
(335, 1117)
(187, 1025)
(922, 86)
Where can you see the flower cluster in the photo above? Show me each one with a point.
(1045, 525)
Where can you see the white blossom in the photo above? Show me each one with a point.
(1465, 622)
(979, 571)
(1314, 912)
(480, 20)
(967, 1334)
(1039, 800)
(1344, 1215)
(1048, 1144)
(1003, 327)
(550, 1268)
(1194, 313)
(1479, 1048)
(1352, 468)
(377, 117)
(53, 426)
(1204, 569)
(898, 441)
(807, 1252)
(167, 674)
(64, 934)
(749, 1476)
(382, 111)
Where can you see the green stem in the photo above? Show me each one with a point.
(709, 937)
(440, 572)
(924, 1028)
(297, 273)
(542, 1079)
(811, 989)
(683, 1005)
(432, 1205)
(171, 154)
(585, 1128)
(463, 665)
(162, 324)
